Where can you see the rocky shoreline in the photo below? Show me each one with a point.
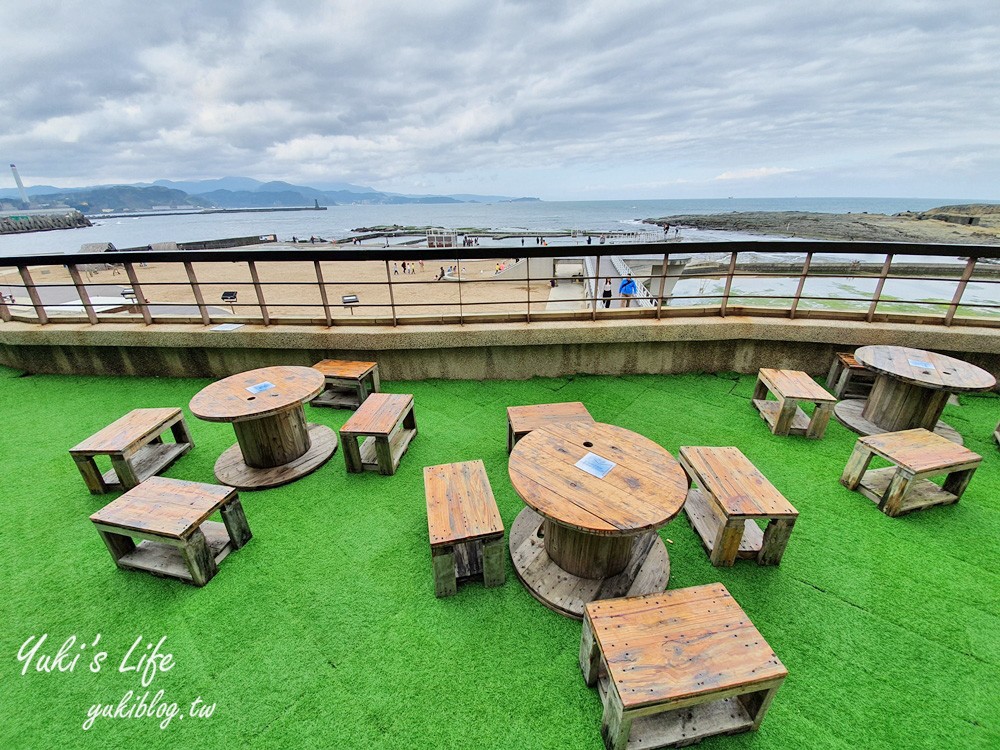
(977, 224)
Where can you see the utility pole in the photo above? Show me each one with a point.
(20, 187)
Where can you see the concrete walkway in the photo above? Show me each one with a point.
(567, 296)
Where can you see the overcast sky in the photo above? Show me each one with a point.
(561, 100)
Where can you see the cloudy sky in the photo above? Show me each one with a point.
(561, 100)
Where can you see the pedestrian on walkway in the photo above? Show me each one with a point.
(627, 290)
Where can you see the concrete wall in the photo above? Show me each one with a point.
(480, 352)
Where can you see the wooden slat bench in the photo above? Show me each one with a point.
(848, 377)
(916, 454)
(523, 419)
(348, 383)
(169, 515)
(784, 416)
(464, 525)
(676, 667)
(135, 446)
(731, 496)
(387, 424)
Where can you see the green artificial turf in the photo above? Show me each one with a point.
(324, 630)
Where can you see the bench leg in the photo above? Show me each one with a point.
(236, 522)
(125, 471)
(727, 542)
(775, 539)
(957, 481)
(444, 572)
(510, 437)
(179, 430)
(833, 377)
(786, 414)
(118, 545)
(615, 726)
(590, 655)
(820, 418)
(756, 704)
(857, 464)
(410, 420)
(384, 457)
(91, 474)
(352, 453)
(493, 563)
(759, 390)
(199, 558)
(892, 499)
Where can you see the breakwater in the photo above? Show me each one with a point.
(41, 221)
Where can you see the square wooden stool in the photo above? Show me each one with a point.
(169, 515)
(464, 525)
(523, 419)
(676, 667)
(387, 424)
(917, 454)
(784, 416)
(348, 384)
(848, 377)
(732, 495)
(135, 446)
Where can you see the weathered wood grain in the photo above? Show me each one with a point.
(347, 383)
(523, 419)
(228, 400)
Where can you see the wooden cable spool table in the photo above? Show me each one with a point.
(911, 389)
(583, 537)
(274, 445)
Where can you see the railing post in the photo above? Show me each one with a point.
(458, 269)
(878, 288)
(663, 283)
(137, 290)
(392, 299)
(196, 290)
(597, 280)
(36, 301)
(729, 284)
(960, 290)
(81, 291)
(802, 283)
(527, 275)
(260, 292)
(322, 294)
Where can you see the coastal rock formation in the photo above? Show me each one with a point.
(927, 226)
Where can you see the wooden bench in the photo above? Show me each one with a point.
(916, 454)
(784, 416)
(464, 525)
(733, 495)
(169, 516)
(348, 384)
(676, 667)
(387, 424)
(135, 446)
(523, 419)
(848, 377)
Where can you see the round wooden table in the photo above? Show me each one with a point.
(911, 389)
(274, 445)
(585, 537)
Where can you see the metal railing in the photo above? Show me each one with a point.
(936, 284)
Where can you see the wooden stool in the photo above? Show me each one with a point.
(917, 454)
(169, 514)
(523, 419)
(387, 423)
(465, 528)
(733, 494)
(784, 416)
(135, 446)
(348, 384)
(676, 667)
(848, 377)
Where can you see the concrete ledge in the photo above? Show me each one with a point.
(479, 351)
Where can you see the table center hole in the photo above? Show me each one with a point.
(251, 398)
(587, 444)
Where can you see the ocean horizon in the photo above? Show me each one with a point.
(531, 217)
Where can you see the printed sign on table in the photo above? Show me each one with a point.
(595, 465)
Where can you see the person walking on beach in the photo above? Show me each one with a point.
(395, 270)
(627, 290)
(607, 292)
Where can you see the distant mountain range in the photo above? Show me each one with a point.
(225, 192)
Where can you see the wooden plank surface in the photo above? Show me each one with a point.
(904, 363)
(679, 644)
(165, 507)
(706, 522)
(167, 561)
(644, 490)
(734, 482)
(341, 368)
(150, 460)
(134, 427)
(795, 384)
(920, 450)
(460, 503)
(378, 415)
(528, 418)
(228, 400)
(770, 410)
(921, 493)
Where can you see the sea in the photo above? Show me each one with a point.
(530, 217)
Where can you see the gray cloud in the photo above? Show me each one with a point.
(582, 99)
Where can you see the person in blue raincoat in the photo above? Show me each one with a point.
(627, 290)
